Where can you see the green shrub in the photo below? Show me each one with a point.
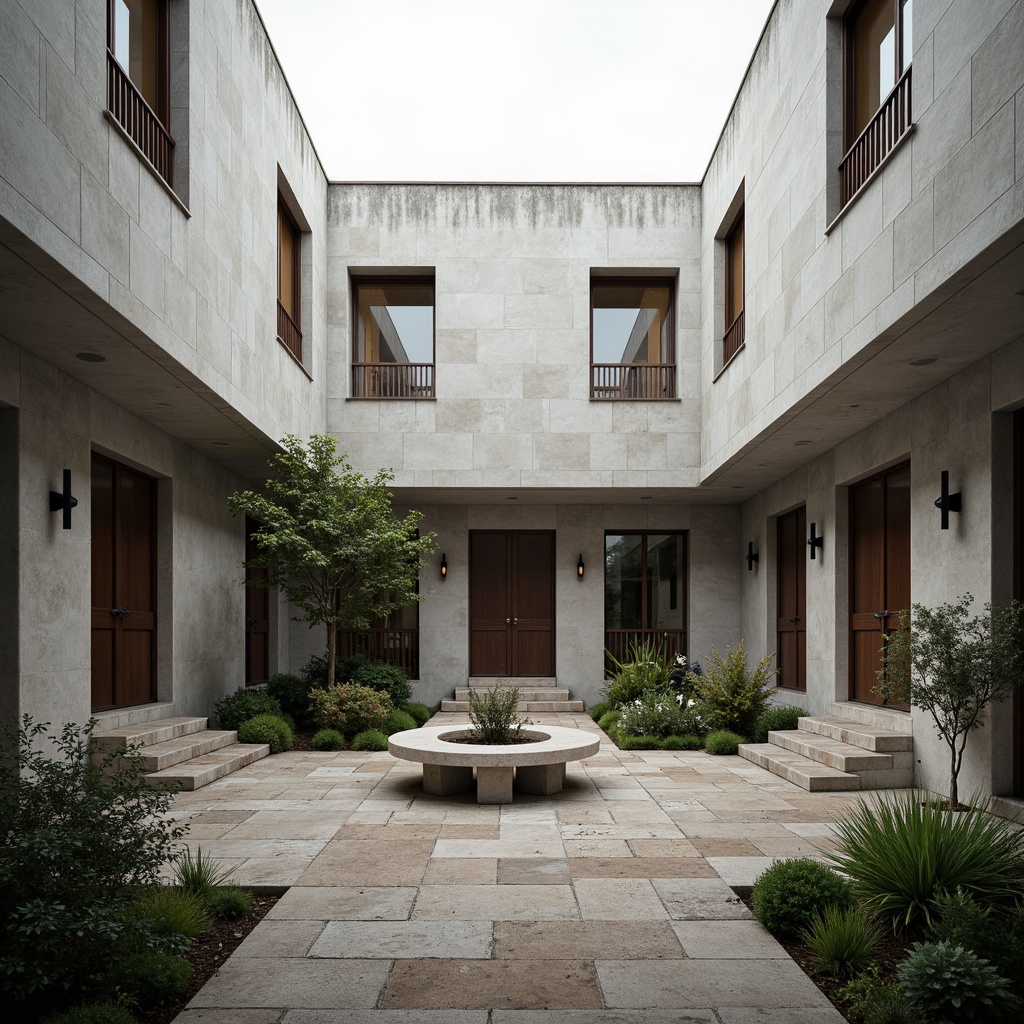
(172, 912)
(673, 743)
(198, 874)
(722, 741)
(787, 895)
(419, 712)
(229, 903)
(270, 729)
(150, 979)
(842, 940)
(79, 840)
(597, 710)
(692, 742)
(954, 984)
(399, 721)
(775, 719)
(292, 693)
(628, 742)
(94, 1013)
(904, 852)
(655, 713)
(872, 1000)
(493, 714)
(646, 668)
(609, 721)
(327, 739)
(244, 704)
(371, 739)
(345, 668)
(389, 679)
(728, 695)
(350, 708)
(314, 672)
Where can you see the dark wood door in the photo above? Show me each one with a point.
(879, 572)
(511, 603)
(257, 615)
(1018, 590)
(791, 603)
(123, 586)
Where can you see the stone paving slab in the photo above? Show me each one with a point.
(699, 899)
(385, 1017)
(281, 938)
(345, 903)
(727, 940)
(405, 940)
(496, 903)
(586, 940)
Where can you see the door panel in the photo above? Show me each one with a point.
(791, 626)
(490, 601)
(533, 604)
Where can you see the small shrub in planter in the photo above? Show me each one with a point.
(627, 742)
(371, 739)
(292, 693)
(229, 903)
(655, 713)
(387, 679)
(149, 978)
(399, 721)
(842, 941)
(350, 708)
(790, 893)
(950, 983)
(493, 715)
(775, 720)
(419, 712)
(328, 739)
(721, 742)
(270, 729)
(93, 1013)
(597, 710)
(609, 721)
(244, 704)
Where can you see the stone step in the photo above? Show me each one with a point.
(859, 734)
(201, 771)
(875, 715)
(462, 693)
(158, 756)
(523, 682)
(523, 707)
(795, 768)
(147, 734)
(834, 753)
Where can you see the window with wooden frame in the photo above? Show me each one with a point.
(632, 339)
(734, 334)
(289, 299)
(877, 50)
(138, 77)
(393, 338)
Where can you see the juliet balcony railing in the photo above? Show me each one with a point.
(288, 331)
(399, 647)
(733, 338)
(138, 119)
(626, 381)
(392, 380)
(875, 143)
(618, 642)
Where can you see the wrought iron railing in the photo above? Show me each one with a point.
(288, 331)
(400, 647)
(733, 338)
(392, 380)
(617, 381)
(883, 131)
(139, 120)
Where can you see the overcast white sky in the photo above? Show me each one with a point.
(514, 90)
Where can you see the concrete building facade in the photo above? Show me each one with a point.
(643, 382)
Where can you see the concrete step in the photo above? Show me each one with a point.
(523, 707)
(462, 693)
(146, 734)
(523, 682)
(874, 715)
(795, 768)
(158, 756)
(834, 753)
(859, 734)
(201, 771)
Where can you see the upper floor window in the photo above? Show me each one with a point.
(138, 77)
(289, 304)
(393, 343)
(732, 339)
(632, 339)
(878, 43)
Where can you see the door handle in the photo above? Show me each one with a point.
(250, 622)
(793, 618)
(119, 613)
(881, 615)
(515, 621)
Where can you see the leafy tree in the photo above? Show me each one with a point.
(329, 538)
(953, 667)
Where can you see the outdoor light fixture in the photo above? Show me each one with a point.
(947, 502)
(815, 541)
(444, 566)
(751, 556)
(64, 501)
(579, 567)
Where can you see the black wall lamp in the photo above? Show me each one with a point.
(64, 501)
(815, 541)
(580, 567)
(751, 556)
(947, 502)
(444, 566)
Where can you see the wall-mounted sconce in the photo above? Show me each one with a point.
(64, 501)
(947, 502)
(580, 569)
(815, 541)
(750, 556)
(444, 566)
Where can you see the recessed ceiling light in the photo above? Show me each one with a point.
(90, 357)
(646, 497)
(511, 497)
(856, 406)
(222, 444)
(923, 362)
(797, 444)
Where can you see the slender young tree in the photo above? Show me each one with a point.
(954, 667)
(329, 538)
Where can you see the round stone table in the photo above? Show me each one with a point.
(535, 767)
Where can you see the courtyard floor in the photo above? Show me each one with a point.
(608, 902)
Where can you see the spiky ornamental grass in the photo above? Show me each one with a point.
(905, 852)
(842, 940)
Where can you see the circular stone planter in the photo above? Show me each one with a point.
(537, 767)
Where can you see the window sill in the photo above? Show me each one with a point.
(726, 365)
(147, 163)
(294, 358)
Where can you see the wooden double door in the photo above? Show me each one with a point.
(511, 603)
(879, 572)
(123, 586)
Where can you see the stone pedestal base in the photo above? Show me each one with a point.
(494, 785)
(540, 779)
(446, 779)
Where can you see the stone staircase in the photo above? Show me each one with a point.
(857, 747)
(177, 752)
(537, 695)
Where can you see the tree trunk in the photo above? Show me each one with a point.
(954, 798)
(332, 639)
